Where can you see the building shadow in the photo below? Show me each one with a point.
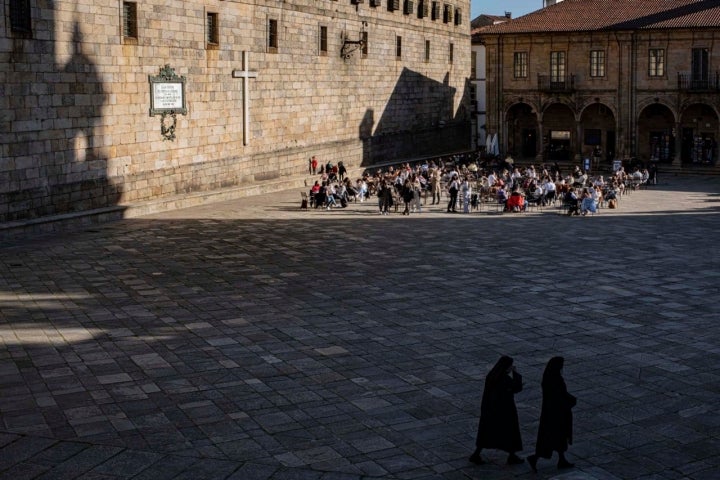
(419, 120)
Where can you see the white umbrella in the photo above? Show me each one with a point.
(488, 144)
(495, 150)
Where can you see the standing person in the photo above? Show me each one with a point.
(385, 197)
(435, 185)
(453, 188)
(466, 190)
(313, 164)
(499, 426)
(342, 171)
(555, 429)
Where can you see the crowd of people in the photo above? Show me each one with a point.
(467, 183)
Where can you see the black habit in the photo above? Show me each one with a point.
(556, 420)
(499, 426)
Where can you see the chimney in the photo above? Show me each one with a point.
(508, 15)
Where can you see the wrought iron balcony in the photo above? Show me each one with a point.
(689, 83)
(551, 83)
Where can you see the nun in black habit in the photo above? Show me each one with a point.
(499, 427)
(556, 421)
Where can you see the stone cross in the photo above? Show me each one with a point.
(246, 75)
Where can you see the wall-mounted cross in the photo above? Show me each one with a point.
(246, 75)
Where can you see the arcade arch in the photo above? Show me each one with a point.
(656, 134)
(698, 134)
(522, 131)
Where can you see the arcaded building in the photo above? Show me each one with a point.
(628, 79)
(105, 103)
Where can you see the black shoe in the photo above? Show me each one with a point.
(532, 460)
(563, 464)
(476, 459)
(514, 459)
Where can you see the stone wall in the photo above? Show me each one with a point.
(75, 129)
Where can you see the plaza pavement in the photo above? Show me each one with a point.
(250, 340)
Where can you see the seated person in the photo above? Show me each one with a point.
(314, 190)
(571, 202)
(501, 195)
(319, 196)
(550, 189)
(588, 203)
(516, 202)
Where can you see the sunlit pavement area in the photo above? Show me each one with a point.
(252, 340)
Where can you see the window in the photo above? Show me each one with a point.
(409, 7)
(520, 64)
(129, 20)
(473, 65)
(364, 47)
(447, 13)
(376, 3)
(20, 16)
(656, 62)
(473, 97)
(597, 63)
(424, 9)
(699, 64)
(323, 40)
(398, 47)
(213, 29)
(458, 16)
(393, 5)
(451, 52)
(435, 10)
(557, 66)
(427, 50)
(272, 35)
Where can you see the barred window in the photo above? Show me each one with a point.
(20, 16)
(398, 47)
(129, 20)
(435, 10)
(213, 29)
(451, 53)
(427, 50)
(272, 34)
(365, 44)
(323, 40)
(520, 64)
(656, 62)
(597, 63)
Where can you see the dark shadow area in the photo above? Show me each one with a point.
(419, 121)
(60, 166)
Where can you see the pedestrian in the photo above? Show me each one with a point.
(313, 164)
(555, 429)
(453, 189)
(499, 426)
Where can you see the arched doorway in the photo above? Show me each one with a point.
(656, 134)
(522, 128)
(698, 129)
(559, 132)
(598, 134)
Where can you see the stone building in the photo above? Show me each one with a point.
(105, 103)
(629, 79)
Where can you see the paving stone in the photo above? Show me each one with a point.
(336, 345)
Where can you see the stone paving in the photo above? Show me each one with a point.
(251, 340)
